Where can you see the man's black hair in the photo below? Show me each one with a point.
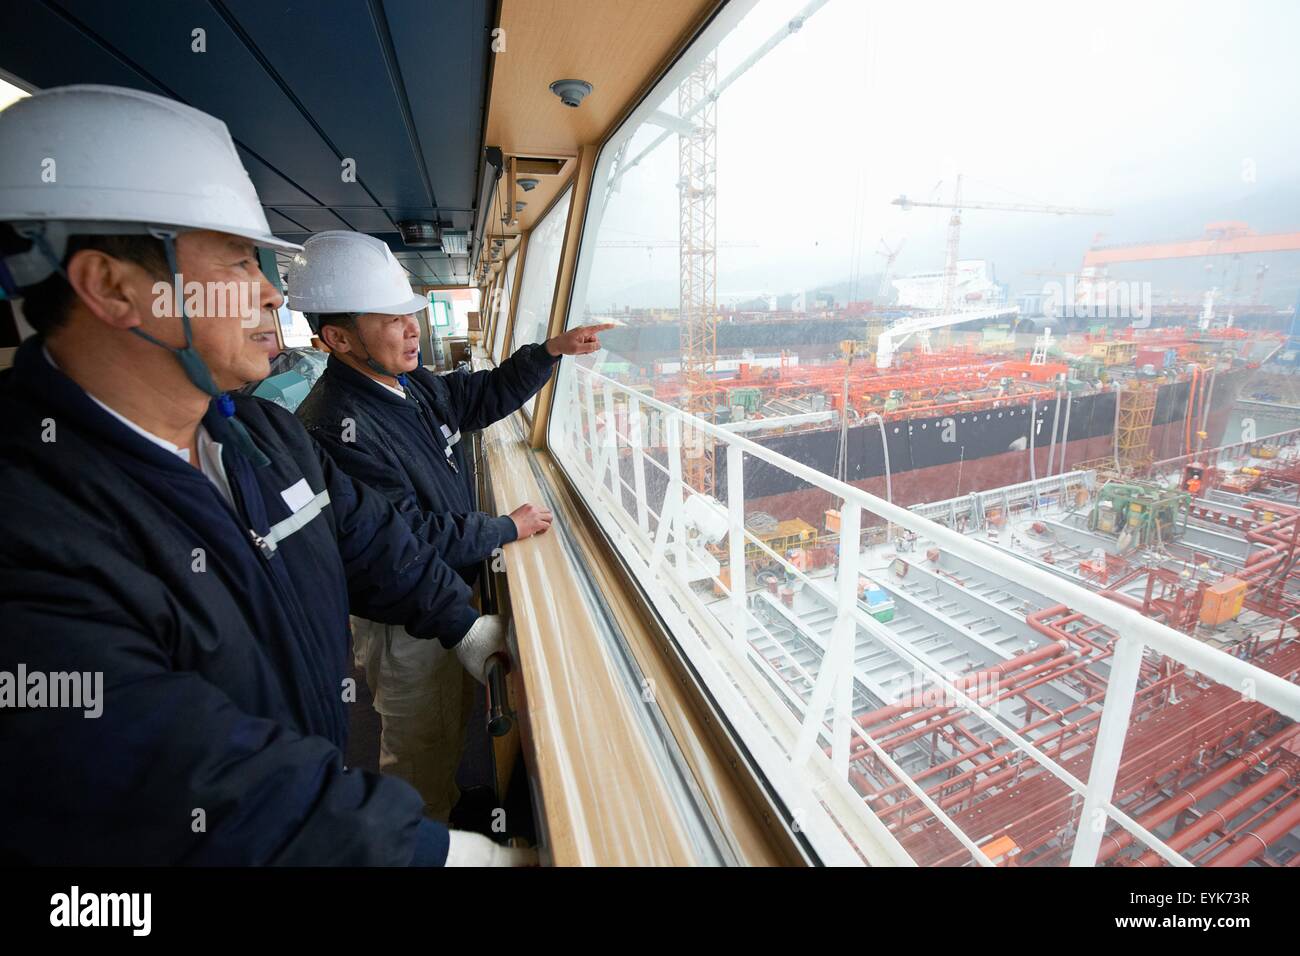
(344, 320)
(46, 304)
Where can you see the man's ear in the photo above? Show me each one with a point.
(335, 338)
(117, 292)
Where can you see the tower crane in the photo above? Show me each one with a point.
(695, 126)
(954, 227)
(697, 160)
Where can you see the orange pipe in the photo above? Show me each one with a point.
(1254, 842)
(1113, 843)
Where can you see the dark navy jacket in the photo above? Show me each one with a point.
(223, 662)
(399, 446)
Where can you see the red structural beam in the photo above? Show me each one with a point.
(1228, 241)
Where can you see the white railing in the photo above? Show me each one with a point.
(1025, 495)
(663, 545)
(1210, 457)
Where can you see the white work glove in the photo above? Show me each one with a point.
(474, 849)
(485, 638)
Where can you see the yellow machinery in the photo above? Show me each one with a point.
(1114, 353)
(788, 534)
(792, 538)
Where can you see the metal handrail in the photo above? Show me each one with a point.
(1135, 631)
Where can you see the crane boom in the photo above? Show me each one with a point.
(906, 203)
(954, 227)
(669, 244)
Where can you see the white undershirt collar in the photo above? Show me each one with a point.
(398, 391)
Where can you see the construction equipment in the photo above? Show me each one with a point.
(697, 194)
(1222, 602)
(890, 255)
(697, 157)
(1136, 412)
(1220, 239)
(1138, 514)
(875, 600)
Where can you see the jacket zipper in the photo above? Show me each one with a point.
(261, 544)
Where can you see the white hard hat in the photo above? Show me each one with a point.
(341, 271)
(94, 158)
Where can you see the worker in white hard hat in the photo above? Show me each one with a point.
(397, 427)
(192, 554)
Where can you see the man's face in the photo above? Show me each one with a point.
(226, 296)
(391, 340)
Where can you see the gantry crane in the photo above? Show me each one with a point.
(1220, 239)
(954, 228)
(1232, 238)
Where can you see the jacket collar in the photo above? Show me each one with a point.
(341, 373)
(34, 375)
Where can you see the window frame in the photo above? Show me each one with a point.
(510, 282)
(541, 401)
(576, 258)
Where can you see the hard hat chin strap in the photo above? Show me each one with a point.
(38, 263)
(196, 370)
(370, 362)
(380, 370)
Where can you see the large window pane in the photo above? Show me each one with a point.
(541, 270)
(802, 351)
(503, 308)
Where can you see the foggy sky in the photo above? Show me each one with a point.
(1170, 114)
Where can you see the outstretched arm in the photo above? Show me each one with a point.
(481, 398)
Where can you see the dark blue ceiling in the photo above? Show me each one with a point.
(399, 86)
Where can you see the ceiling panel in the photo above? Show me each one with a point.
(229, 80)
(615, 45)
(444, 66)
(398, 86)
(317, 220)
(358, 101)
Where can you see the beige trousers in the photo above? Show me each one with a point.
(420, 696)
